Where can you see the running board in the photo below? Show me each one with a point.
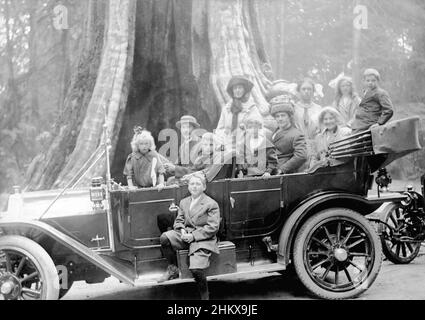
(150, 280)
(386, 197)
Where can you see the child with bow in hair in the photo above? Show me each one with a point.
(143, 167)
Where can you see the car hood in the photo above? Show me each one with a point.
(34, 204)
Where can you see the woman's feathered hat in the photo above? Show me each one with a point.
(281, 103)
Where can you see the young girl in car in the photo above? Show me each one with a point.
(143, 167)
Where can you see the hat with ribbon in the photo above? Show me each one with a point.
(188, 119)
(254, 120)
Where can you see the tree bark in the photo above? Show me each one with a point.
(271, 14)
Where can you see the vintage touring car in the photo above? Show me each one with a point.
(315, 222)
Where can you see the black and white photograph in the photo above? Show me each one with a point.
(207, 156)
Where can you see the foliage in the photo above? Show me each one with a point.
(318, 42)
(34, 60)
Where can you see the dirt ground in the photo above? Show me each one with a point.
(395, 282)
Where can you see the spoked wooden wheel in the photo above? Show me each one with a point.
(395, 234)
(337, 254)
(26, 271)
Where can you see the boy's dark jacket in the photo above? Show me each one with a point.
(375, 108)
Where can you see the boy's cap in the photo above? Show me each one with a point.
(372, 72)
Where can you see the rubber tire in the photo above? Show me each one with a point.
(391, 256)
(40, 258)
(298, 256)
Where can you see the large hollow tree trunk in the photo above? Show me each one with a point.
(185, 54)
(162, 59)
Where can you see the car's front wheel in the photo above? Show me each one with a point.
(337, 254)
(26, 271)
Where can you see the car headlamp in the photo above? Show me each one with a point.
(97, 193)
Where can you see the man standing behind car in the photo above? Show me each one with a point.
(195, 228)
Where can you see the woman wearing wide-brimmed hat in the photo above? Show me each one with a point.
(234, 114)
(288, 140)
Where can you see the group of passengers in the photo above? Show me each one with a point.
(299, 143)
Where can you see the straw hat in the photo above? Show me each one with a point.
(188, 119)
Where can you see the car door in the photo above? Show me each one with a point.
(254, 206)
(144, 206)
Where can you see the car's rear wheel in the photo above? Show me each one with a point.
(26, 271)
(337, 254)
(397, 225)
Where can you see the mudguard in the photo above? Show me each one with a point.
(317, 203)
(119, 269)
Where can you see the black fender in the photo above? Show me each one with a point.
(120, 270)
(313, 205)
